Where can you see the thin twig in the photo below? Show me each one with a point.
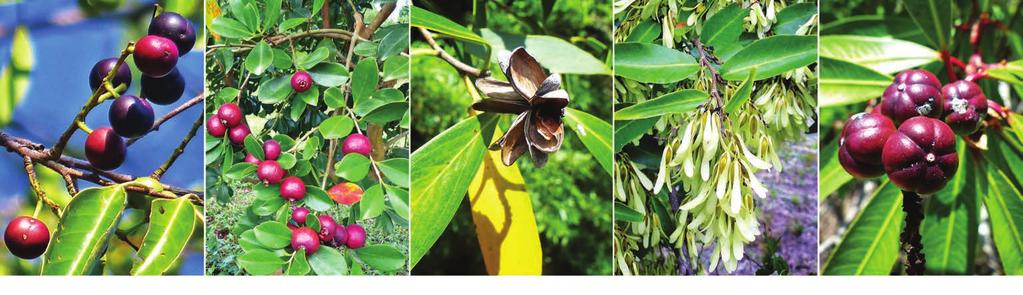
(457, 64)
(180, 149)
(33, 182)
(198, 99)
(345, 91)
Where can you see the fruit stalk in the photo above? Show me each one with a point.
(348, 65)
(198, 99)
(33, 181)
(911, 245)
(180, 149)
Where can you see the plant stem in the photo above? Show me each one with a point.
(181, 149)
(33, 181)
(946, 57)
(911, 245)
(345, 91)
(457, 64)
(198, 99)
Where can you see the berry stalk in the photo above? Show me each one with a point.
(180, 149)
(911, 245)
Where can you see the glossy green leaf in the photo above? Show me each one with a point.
(282, 60)
(273, 235)
(441, 172)
(951, 218)
(381, 257)
(934, 17)
(771, 56)
(274, 90)
(298, 265)
(1004, 202)
(832, 175)
(329, 74)
(226, 94)
(395, 170)
(1011, 72)
(366, 49)
(396, 68)
(317, 5)
(353, 167)
(310, 97)
(394, 41)
(291, 23)
(398, 198)
(645, 31)
(287, 160)
(676, 102)
(742, 94)
(722, 30)
(884, 55)
(555, 54)
(254, 147)
(246, 14)
(247, 240)
(434, 22)
(628, 131)
(844, 83)
(328, 261)
(791, 18)
(314, 58)
(230, 28)
(594, 133)
(260, 58)
(271, 12)
(870, 245)
(876, 26)
(336, 127)
(334, 98)
(240, 171)
(652, 63)
(372, 203)
(260, 262)
(84, 231)
(365, 80)
(317, 199)
(171, 223)
(626, 214)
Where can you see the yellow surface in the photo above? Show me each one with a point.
(503, 214)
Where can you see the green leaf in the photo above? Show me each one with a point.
(379, 99)
(844, 83)
(226, 94)
(650, 63)
(395, 170)
(832, 175)
(282, 60)
(314, 58)
(247, 15)
(329, 74)
(297, 110)
(594, 133)
(676, 102)
(353, 167)
(884, 55)
(328, 261)
(271, 12)
(273, 235)
(254, 147)
(398, 198)
(240, 171)
(260, 262)
(171, 223)
(870, 245)
(394, 42)
(434, 22)
(230, 28)
(443, 169)
(298, 265)
(722, 30)
(387, 113)
(84, 231)
(309, 97)
(1004, 202)
(396, 68)
(317, 199)
(934, 17)
(629, 131)
(951, 218)
(742, 94)
(366, 49)
(771, 56)
(381, 257)
(555, 54)
(287, 160)
(1012, 72)
(791, 18)
(876, 26)
(624, 213)
(291, 23)
(334, 98)
(317, 6)
(274, 90)
(247, 240)
(365, 79)
(645, 32)
(372, 203)
(336, 127)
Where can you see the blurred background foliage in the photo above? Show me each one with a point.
(571, 194)
(48, 47)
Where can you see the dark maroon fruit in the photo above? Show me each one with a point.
(27, 237)
(155, 56)
(215, 127)
(131, 116)
(249, 158)
(965, 106)
(271, 149)
(105, 149)
(921, 156)
(270, 172)
(103, 67)
(164, 90)
(293, 189)
(305, 238)
(301, 81)
(913, 93)
(340, 235)
(238, 133)
(175, 27)
(327, 228)
(357, 143)
(863, 138)
(299, 215)
(231, 114)
(356, 236)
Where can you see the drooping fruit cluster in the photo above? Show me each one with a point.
(27, 237)
(331, 233)
(130, 116)
(908, 139)
(229, 120)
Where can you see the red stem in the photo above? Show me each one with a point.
(946, 57)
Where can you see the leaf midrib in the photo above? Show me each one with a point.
(163, 241)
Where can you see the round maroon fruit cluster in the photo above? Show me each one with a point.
(907, 140)
(331, 233)
(229, 120)
(26, 237)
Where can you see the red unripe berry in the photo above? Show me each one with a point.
(215, 127)
(238, 133)
(965, 106)
(863, 138)
(155, 56)
(299, 215)
(271, 150)
(301, 81)
(327, 227)
(340, 235)
(249, 158)
(357, 143)
(921, 156)
(270, 172)
(105, 149)
(231, 114)
(26, 237)
(356, 236)
(913, 93)
(305, 238)
(293, 189)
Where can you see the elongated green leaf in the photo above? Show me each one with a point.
(652, 63)
(372, 203)
(353, 167)
(291, 23)
(271, 13)
(870, 245)
(1004, 202)
(793, 17)
(951, 217)
(365, 80)
(555, 54)
(84, 230)
(434, 22)
(230, 28)
(395, 170)
(843, 83)
(398, 198)
(625, 214)
(381, 257)
(771, 56)
(259, 58)
(314, 58)
(246, 14)
(298, 265)
(645, 32)
(171, 223)
(1012, 72)
(742, 94)
(329, 74)
(934, 17)
(394, 41)
(240, 171)
(832, 175)
(722, 30)
(328, 261)
(884, 55)
(628, 131)
(594, 133)
(676, 102)
(260, 262)
(274, 90)
(441, 172)
(254, 147)
(273, 235)
(876, 26)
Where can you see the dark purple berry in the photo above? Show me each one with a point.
(103, 67)
(175, 27)
(164, 90)
(131, 116)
